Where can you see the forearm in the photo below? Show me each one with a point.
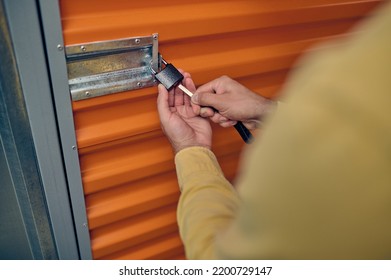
(208, 202)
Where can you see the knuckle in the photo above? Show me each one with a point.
(225, 78)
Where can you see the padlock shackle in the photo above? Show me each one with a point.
(162, 59)
(151, 68)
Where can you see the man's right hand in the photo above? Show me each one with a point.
(233, 101)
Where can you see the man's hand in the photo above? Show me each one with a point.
(180, 124)
(233, 101)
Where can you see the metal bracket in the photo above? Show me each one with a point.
(106, 67)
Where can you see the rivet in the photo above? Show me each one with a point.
(137, 41)
(73, 147)
(155, 37)
(83, 48)
(84, 224)
(60, 47)
(88, 93)
(139, 84)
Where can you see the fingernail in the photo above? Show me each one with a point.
(160, 87)
(203, 111)
(194, 98)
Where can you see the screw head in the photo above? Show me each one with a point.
(155, 36)
(137, 41)
(87, 93)
(139, 84)
(73, 147)
(83, 48)
(60, 47)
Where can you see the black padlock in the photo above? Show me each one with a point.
(169, 76)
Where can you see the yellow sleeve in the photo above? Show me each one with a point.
(207, 204)
(316, 183)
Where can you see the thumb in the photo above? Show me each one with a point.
(206, 99)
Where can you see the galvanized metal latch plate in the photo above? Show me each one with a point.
(106, 67)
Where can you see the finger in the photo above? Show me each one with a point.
(223, 119)
(186, 100)
(250, 125)
(217, 118)
(163, 104)
(178, 97)
(217, 86)
(207, 99)
(196, 108)
(208, 87)
(206, 112)
(228, 123)
(171, 97)
(189, 84)
(185, 74)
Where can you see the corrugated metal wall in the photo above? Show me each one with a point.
(126, 163)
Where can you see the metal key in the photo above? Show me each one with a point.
(170, 77)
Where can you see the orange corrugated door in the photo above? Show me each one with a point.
(127, 165)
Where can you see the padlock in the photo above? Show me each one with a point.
(169, 76)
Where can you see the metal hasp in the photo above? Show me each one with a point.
(106, 67)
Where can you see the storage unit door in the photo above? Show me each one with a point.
(127, 165)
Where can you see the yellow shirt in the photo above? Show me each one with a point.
(317, 182)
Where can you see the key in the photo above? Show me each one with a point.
(170, 77)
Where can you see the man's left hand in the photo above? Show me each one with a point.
(180, 124)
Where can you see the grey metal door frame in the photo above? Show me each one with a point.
(36, 34)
